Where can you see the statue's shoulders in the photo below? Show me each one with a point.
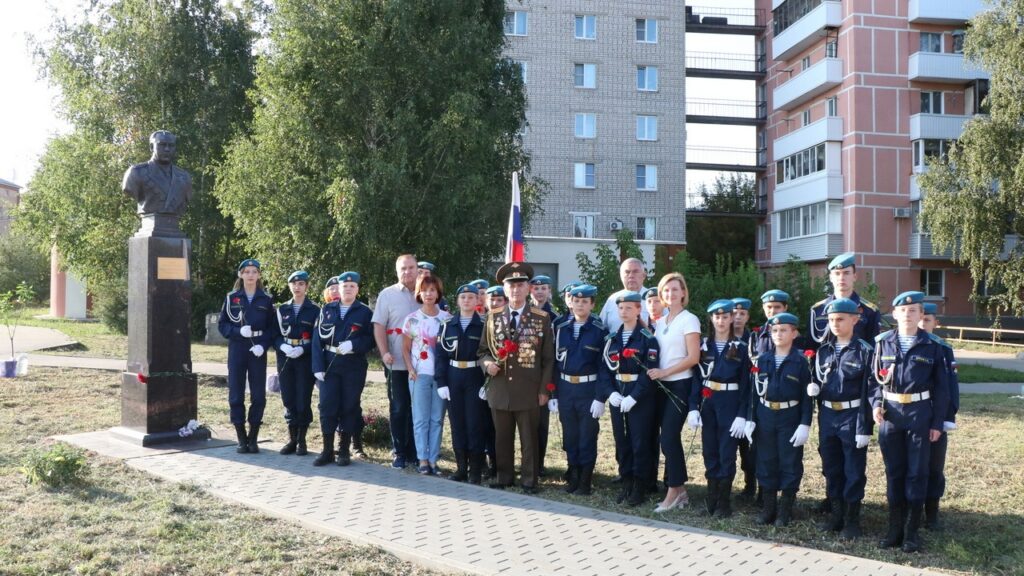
(181, 172)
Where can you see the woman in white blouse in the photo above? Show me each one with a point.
(678, 334)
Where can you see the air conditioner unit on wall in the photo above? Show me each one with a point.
(901, 212)
(615, 225)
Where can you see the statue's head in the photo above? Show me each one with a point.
(165, 146)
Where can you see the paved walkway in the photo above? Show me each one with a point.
(460, 527)
(1006, 361)
(31, 338)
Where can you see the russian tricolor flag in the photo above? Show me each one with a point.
(514, 251)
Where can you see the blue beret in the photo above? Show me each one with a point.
(842, 261)
(466, 289)
(349, 277)
(249, 262)
(570, 286)
(332, 281)
(931, 308)
(912, 297)
(775, 296)
(424, 265)
(784, 318)
(540, 280)
(299, 276)
(741, 303)
(584, 291)
(497, 290)
(629, 296)
(842, 305)
(480, 284)
(720, 307)
(652, 291)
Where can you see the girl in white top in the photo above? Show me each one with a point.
(420, 330)
(678, 334)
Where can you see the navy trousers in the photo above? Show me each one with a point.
(842, 463)
(937, 468)
(780, 465)
(340, 395)
(579, 428)
(906, 451)
(242, 366)
(296, 376)
(673, 414)
(466, 414)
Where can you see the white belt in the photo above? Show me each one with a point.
(296, 341)
(779, 405)
(579, 379)
(719, 386)
(463, 363)
(334, 349)
(256, 333)
(841, 405)
(906, 398)
(627, 377)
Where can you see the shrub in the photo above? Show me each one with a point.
(60, 465)
(22, 262)
(376, 429)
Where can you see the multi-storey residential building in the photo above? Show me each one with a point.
(606, 127)
(9, 196)
(859, 93)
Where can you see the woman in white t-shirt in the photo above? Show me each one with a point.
(420, 330)
(678, 334)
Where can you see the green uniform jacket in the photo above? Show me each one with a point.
(527, 369)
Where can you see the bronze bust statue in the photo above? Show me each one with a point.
(161, 189)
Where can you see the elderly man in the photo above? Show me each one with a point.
(394, 303)
(517, 353)
(632, 274)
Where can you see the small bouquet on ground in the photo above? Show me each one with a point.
(190, 428)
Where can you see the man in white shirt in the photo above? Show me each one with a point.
(393, 304)
(632, 274)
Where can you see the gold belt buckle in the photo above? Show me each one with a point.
(836, 405)
(574, 379)
(906, 398)
(775, 405)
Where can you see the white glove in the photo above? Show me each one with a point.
(443, 393)
(615, 399)
(286, 349)
(596, 409)
(748, 430)
(257, 350)
(482, 393)
(627, 404)
(319, 376)
(799, 438)
(862, 441)
(948, 426)
(813, 390)
(736, 430)
(693, 420)
(553, 405)
(345, 347)
(245, 331)
(296, 351)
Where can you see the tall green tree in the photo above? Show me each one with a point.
(973, 198)
(711, 236)
(380, 128)
(124, 69)
(603, 269)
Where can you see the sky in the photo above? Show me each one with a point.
(27, 102)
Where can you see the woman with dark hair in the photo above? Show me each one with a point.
(418, 348)
(246, 320)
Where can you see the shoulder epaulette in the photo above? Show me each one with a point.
(882, 336)
(864, 343)
(494, 311)
(869, 304)
(647, 333)
(537, 310)
(939, 340)
(820, 302)
(597, 321)
(565, 322)
(610, 336)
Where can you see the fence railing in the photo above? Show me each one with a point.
(727, 108)
(731, 62)
(725, 16)
(996, 334)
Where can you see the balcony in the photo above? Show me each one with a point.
(817, 187)
(937, 126)
(718, 20)
(725, 65)
(936, 67)
(921, 248)
(725, 159)
(809, 248)
(824, 130)
(820, 78)
(943, 11)
(807, 30)
(915, 188)
(732, 112)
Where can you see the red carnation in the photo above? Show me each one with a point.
(706, 392)
(511, 347)
(883, 372)
(142, 378)
(550, 387)
(809, 354)
(423, 355)
(614, 357)
(480, 309)
(628, 353)
(236, 300)
(355, 327)
(398, 330)
(305, 335)
(757, 328)
(754, 370)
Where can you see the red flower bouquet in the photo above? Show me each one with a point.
(629, 353)
(706, 392)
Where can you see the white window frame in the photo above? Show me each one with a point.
(582, 171)
(927, 42)
(815, 219)
(647, 78)
(803, 163)
(649, 174)
(805, 118)
(920, 146)
(647, 30)
(646, 228)
(832, 106)
(584, 76)
(762, 236)
(524, 68)
(585, 27)
(805, 63)
(588, 220)
(516, 23)
(646, 128)
(926, 279)
(934, 99)
(585, 125)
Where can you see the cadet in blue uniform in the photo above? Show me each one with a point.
(725, 391)
(937, 459)
(540, 296)
(495, 299)
(843, 385)
(246, 320)
(343, 336)
(481, 286)
(296, 320)
(910, 406)
(773, 303)
(783, 420)
(842, 273)
(579, 381)
(632, 396)
(748, 462)
(567, 300)
(459, 379)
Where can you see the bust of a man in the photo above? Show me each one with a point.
(159, 186)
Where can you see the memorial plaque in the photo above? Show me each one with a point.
(171, 268)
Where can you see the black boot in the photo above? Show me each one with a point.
(293, 435)
(770, 507)
(461, 467)
(834, 522)
(476, 465)
(492, 467)
(243, 440)
(894, 537)
(851, 521)
(749, 485)
(327, 456)
(625, 490)
(912, 538)
(759, 499)
(300, 446)
(724, 507)
(824, 507)
(357, 446)
(254, 438)
(785, 508)
(344, 458)
(568, 473)
(574, 480)
(931, 515)
(711, 498)
(586, 477)
(638, 492)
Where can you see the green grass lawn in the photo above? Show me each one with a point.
(126, 522)
(970, 373)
